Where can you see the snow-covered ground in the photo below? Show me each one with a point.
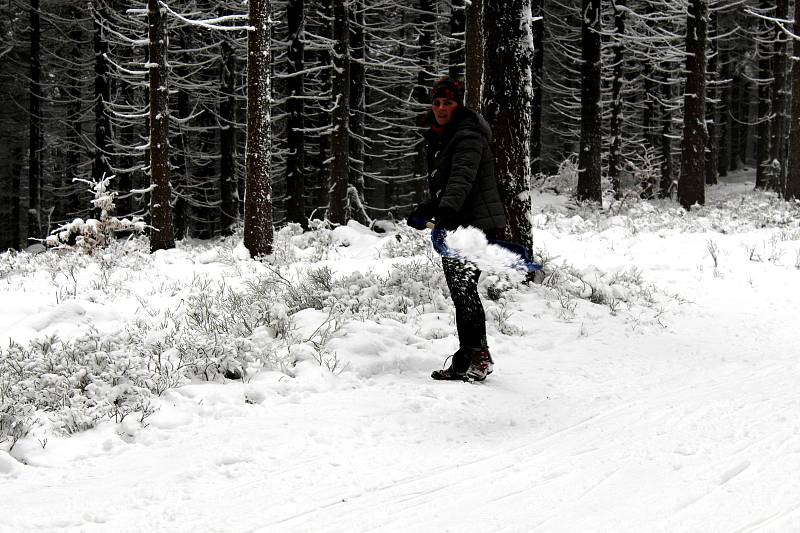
(660, 393)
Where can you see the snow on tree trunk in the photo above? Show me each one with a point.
(507, 97)
(161, 236)
(589, 164)
(258, 231)
(691, 186)
(473, 54)
(340, 116)
(295, 107)
(793, 175)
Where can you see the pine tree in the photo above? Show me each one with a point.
(161, 236)
(793, 175)
(589, 164)
(691, 187)
(507, 97)
(258, 230)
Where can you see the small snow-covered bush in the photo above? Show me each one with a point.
(564, 181)
(91, 234)
(72, 383)
(407, 242)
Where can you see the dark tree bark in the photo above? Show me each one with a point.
(712, 92)
(589, 163)
(793, 174)
(102, 95)
(537, 27)
(507, 105)
(295, 136)
(340, 116)
(691, 186)
(652, 141)
(36, 141)
(16, 199)
(426, 56)
(456, 58)
(780, 128)
(723, 113)
(743, 120)
(68, 199)
(357, 84)
(258, 231)
(183, 173)
(161, 236)
(764, 48)
(473, 52)
(227, 138)
(426, 53)
(615, 127)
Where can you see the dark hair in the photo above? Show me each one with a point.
(447, 87)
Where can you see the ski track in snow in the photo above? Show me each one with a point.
(593, 424)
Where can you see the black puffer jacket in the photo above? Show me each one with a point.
(461, 174)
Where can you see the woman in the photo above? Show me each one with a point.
(463, 193)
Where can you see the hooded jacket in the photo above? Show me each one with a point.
(461, 174)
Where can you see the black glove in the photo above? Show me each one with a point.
(446, 218)
(419, 217)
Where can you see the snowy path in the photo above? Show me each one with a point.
(573, 438)
(593, 424)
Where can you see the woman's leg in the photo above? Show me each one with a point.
(462, 280)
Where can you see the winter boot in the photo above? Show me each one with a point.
(457, 371)
(480, 365)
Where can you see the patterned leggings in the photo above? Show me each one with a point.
(462, 280)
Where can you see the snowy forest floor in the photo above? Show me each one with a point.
(658, 399)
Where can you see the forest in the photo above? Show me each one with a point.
(308, 109)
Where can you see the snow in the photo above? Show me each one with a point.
(674, 411)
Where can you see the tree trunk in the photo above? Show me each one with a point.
(779, 99)
(473, 51)
(357, 83)
(743, 122)
(667, 184)
(764, 48)
(615, 127)
(184, 175)
(712, 92)
(589, 164)
(295, 106)
(793, 174)
(340, 116)
(421, 93)
(537, 27)
(69, 198)
(102, 96)
(227, 140)
(723, 113)
(36, 142)
(258, 231)
(16, 199)
(691, 186)
(161, 236)
(456, 57)
(507, 105)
